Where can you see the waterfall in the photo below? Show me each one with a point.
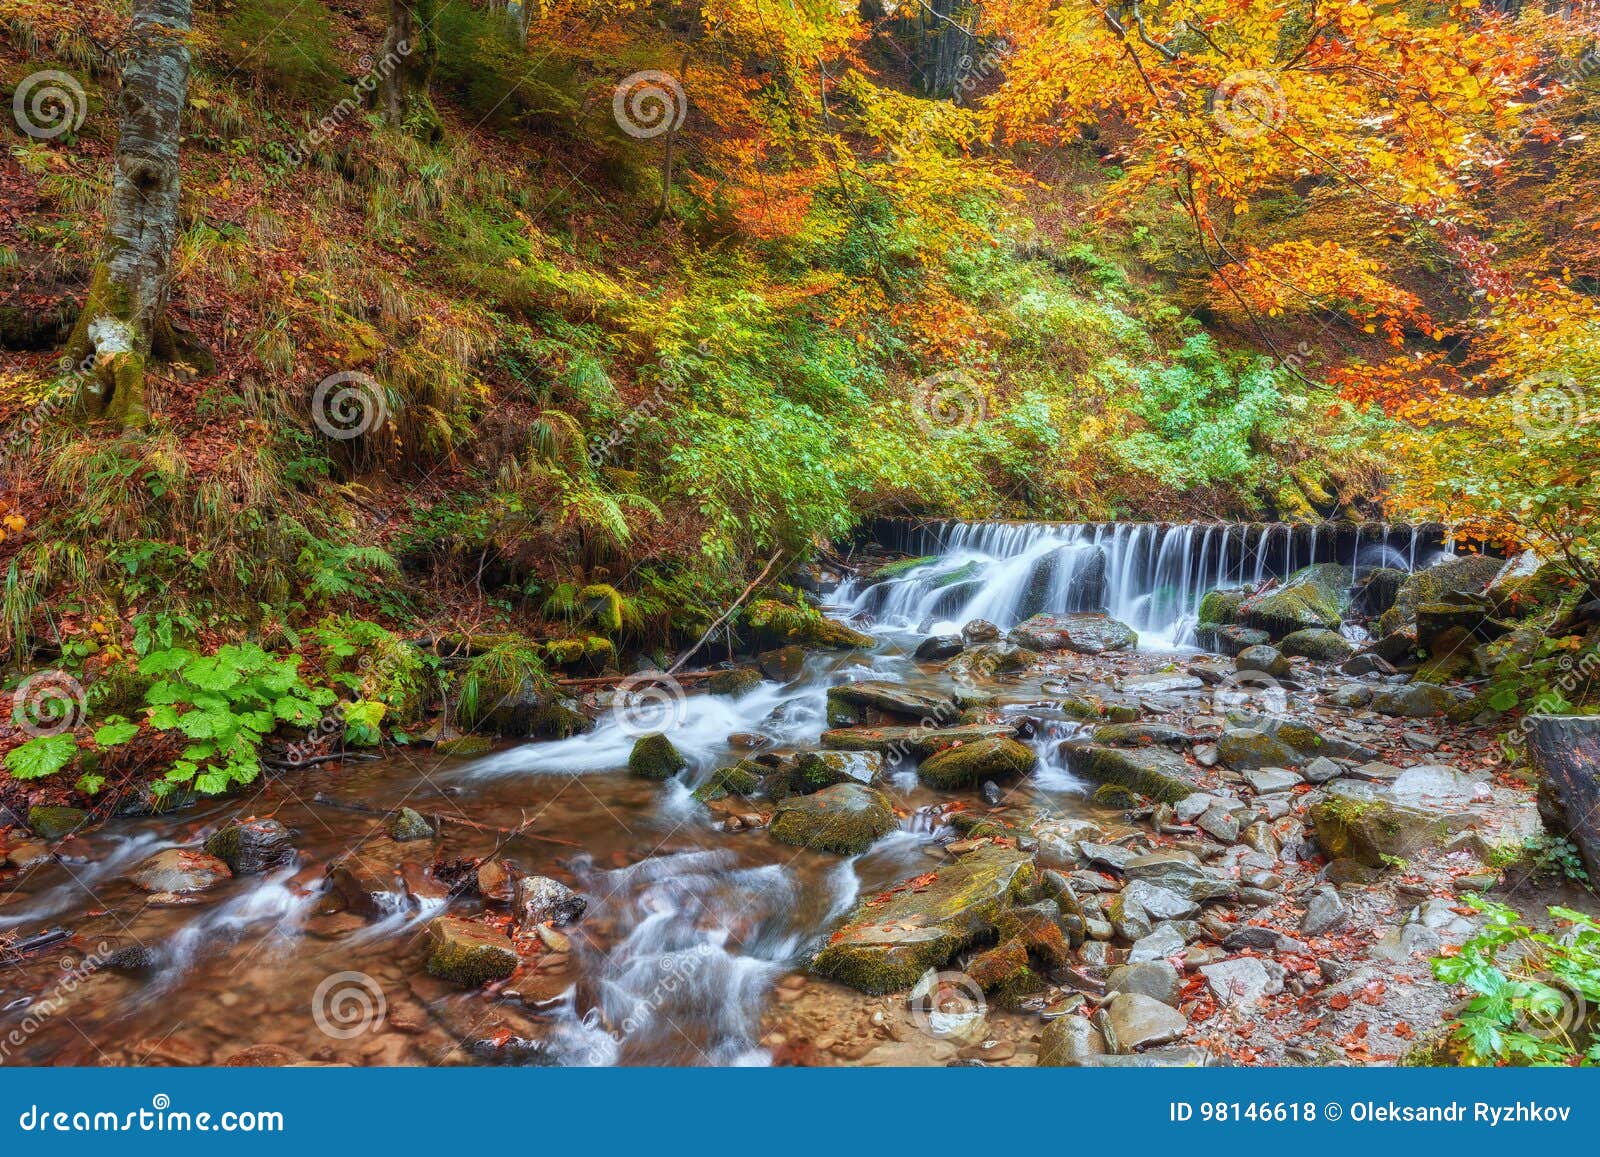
(1149, 575)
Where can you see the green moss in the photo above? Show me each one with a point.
(1151, 772)
(970, 764)
(739, 681)
(654, 757)
(743, 779)
(468, 954)
(1220, 607)
(52, 823)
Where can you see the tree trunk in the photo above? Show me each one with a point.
(519, 15)
(124, 319)
(944, 44)
(410, 49)
(1565, 751)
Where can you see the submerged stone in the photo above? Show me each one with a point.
(467, 953)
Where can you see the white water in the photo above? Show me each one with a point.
(1150, 576)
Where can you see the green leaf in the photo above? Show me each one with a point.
(40, 757)
(114, 733)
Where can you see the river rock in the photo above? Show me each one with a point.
(734, 683)
(987, 660)
(52, 823)
(782, 664)
(742, 779)
(1084, 634)
(1219, 823)
(1565, 750)
(846, 818)
(1161, 903)
(815, 770)
(1038, 928)
(1139, 1021)
(1266, 780)
(1465, 575)
(1153, 772)
(1070, 1042)
(1241, 982)
(980, 631)
(1157, 979)
(1174, 873)
(936, 647)
(409, 824)
(919, 742)
(968, 765)
(1220, 607)
(1142, 734)
(368, 886)
(1231, 639)
(1413, 701)
(1350, 695)
(1313, 597)
(541, 900)
(1262, 658)
(467, 953)
(1164, 940)
(253, 846)
(1317, 643)
(893, 699)
(654, 757)
(891, 939)
(179, 871)
(1247, 748)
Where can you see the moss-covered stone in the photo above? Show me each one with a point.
(409, 824)
(1247, 749)
(1375, 831)
(1220, 607)
(1314, 596)
(815, 770)
(739, 681)
(893, 699)
(464, 746)
(1316, 643)
(1038, 927)
(1230, 639)
(1264, 659)
(654, 757)
(892, 939)
(998, 757)
(1093, 711)
(1466, 575)
(782, 664)
(1413, 701)
(742, 779)
(1152, 772)
(1003, 971)
(778, 623)
(468, 954)
(1144, 734)
(52, 823)
(916, 741)
(846, 818)
(253, 846)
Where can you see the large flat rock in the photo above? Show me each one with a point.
(890, 940)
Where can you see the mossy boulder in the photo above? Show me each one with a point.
(1231, 638)
(1153, 772)
(1467, 575)
(1264, 659)
(778, 623)
(253, 846)
(409, 824)
(654, 757)
(464, 746)
(1320, 644)
(1094, 710)
(467, 953)
(1141, 735)
(1314, 596)
(1413, 701)
(559, 718)
(1003, 971)
(815, 770)
(919, 742)
(970, 764)
(742, 779)
(890, 940)
(1247, 749)
(739, 681)
(846, 818)
(1356, 822)
(53, 823)
(989, 659)
(1220, 607)
(1038, 928)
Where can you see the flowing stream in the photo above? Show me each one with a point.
(690, 926)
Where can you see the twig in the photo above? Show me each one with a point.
(723, 617)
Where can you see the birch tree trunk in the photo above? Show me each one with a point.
(124, 316)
